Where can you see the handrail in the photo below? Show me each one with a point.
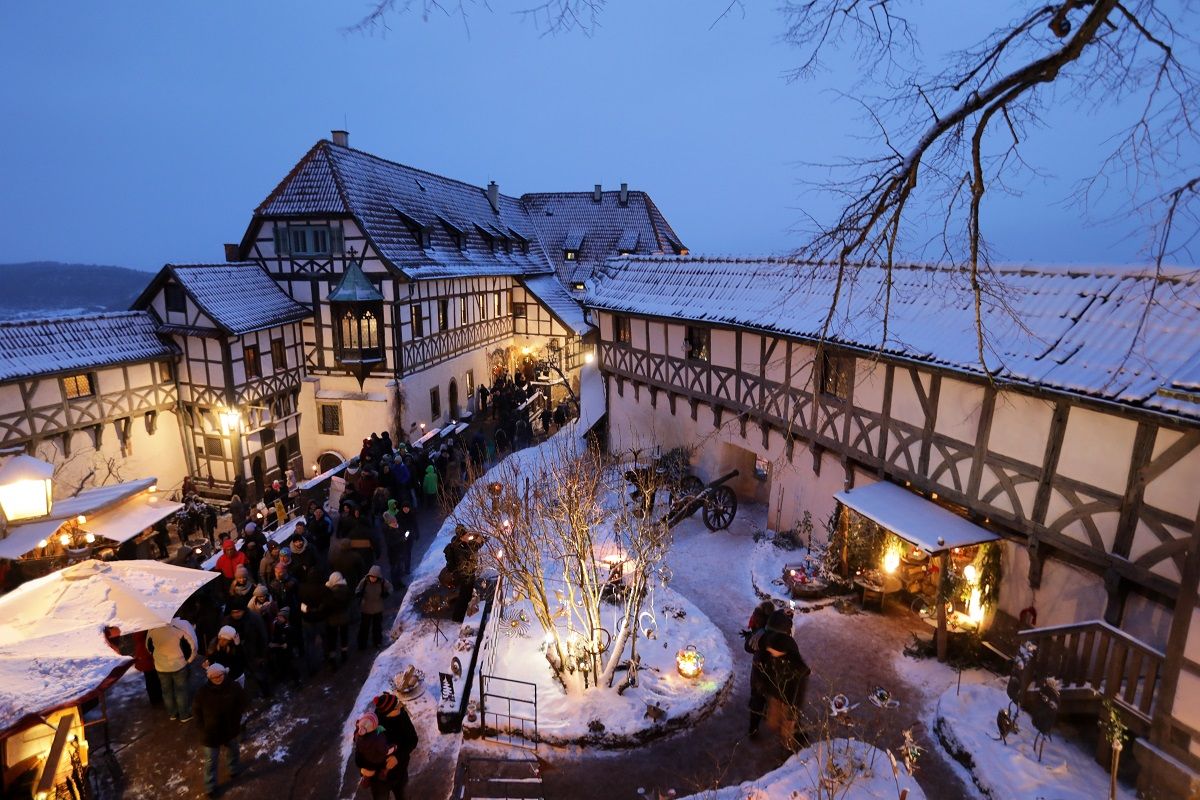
(1094, 624)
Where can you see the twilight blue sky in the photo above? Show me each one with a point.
(138, 133)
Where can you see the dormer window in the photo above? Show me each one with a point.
(570, 255)
(422, 235)
(174, 297)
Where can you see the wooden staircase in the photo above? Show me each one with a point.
(500, 779)
(1095, 661)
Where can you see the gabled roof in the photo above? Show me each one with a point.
(386, 198)
(1066, 329)
(598, 230)
(553, 296)
(72, 344)
(240, 298)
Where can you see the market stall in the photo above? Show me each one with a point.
(903, 542)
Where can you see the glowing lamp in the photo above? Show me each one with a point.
(526, 350)
(891, 561)
(43, 543)
(25, 488)
(970, 573)
(153, 488)
(975, 606)
(588, 357)
(231, 419)
(689, 662)
(90, 538)
(81, 520)
(65, 540)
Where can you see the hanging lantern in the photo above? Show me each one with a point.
(357, 309)
(25, 488)
(689, 662)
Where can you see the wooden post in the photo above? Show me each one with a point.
(941, 605)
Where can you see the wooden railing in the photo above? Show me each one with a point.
(1094, 660)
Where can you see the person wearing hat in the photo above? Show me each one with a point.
(228, 562)
(397, 726)
(319, 529)
(371, 592)
(304, 558)
(226, 650)
(254, 545)
(263, 604)
(376, 759)
(397, 541)
(282, 652)
(242, 585)
(253, 637)
(266, 565)
(778, 681)
(218, 708)
(337, 619)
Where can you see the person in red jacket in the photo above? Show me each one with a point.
(230, 559)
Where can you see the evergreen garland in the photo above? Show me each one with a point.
(991, 571)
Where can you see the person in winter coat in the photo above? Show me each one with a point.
(377, 760)
(304, 558)
(282, 653)
(252, 633)
(219, 707)
(398, 539)
(143, 662)
(173, 647)
(319, 530)
(371, 592)
(227, 651)
(311, 623)
(237, 512)
(778, 681)
(398, 728)
(242, 585)
(429, 485)
(266, 566)
(345, 559)
(254, 546)
(228, 562)
(337, 620)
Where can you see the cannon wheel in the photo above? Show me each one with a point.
(719, 508)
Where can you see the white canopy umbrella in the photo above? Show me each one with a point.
(130, 595)
(38, 676)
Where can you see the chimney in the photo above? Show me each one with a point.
(494, 196)
(624, 194)
(232, 253)
(596, 194)
(341, 138)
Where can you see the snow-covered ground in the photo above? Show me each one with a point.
(837, 768)
(966, 721)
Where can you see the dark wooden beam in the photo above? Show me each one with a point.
(1135, 484)
(931, 409)
(1177, 639)
(889, 378)
(987, 411)
(1054, 440)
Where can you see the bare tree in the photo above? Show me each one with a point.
(552, 534)
(948, 138)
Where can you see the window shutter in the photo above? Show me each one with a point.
(281, 241)
(335, 239)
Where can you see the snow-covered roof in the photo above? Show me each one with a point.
(913, 518)
(391, 201)
(598, 230)
(548, 290)
(29, 348)
(239, 297)
(1085, 331)
(413, 217)
(22, 537)
(354, 287)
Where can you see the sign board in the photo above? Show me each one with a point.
(447, 682)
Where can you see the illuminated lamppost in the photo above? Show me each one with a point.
(25, 489)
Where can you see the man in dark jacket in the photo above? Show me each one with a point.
(778, 677)
(252, 631)
(218, 708)
(319, 529)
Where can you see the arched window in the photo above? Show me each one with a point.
(370, 331)
(350, 339)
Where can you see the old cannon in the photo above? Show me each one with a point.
(717, 501)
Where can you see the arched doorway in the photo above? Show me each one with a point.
(329, 460)
(282, 456)
(453, 399)
(259, 476)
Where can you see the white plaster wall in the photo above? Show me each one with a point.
(1067, 594)
(905, 404)
(364, 412)
(869, 379)
(1147, 620)
(723, 347)
(1175, 489)
(959, 408)
(1096, 449)
(1028, 415)
(417, 385)
(1191, 649)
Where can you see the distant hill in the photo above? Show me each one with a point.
(51, 288)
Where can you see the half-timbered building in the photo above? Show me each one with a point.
(1076, 438)
(465, 279)
(240, 369)
(94, 395)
